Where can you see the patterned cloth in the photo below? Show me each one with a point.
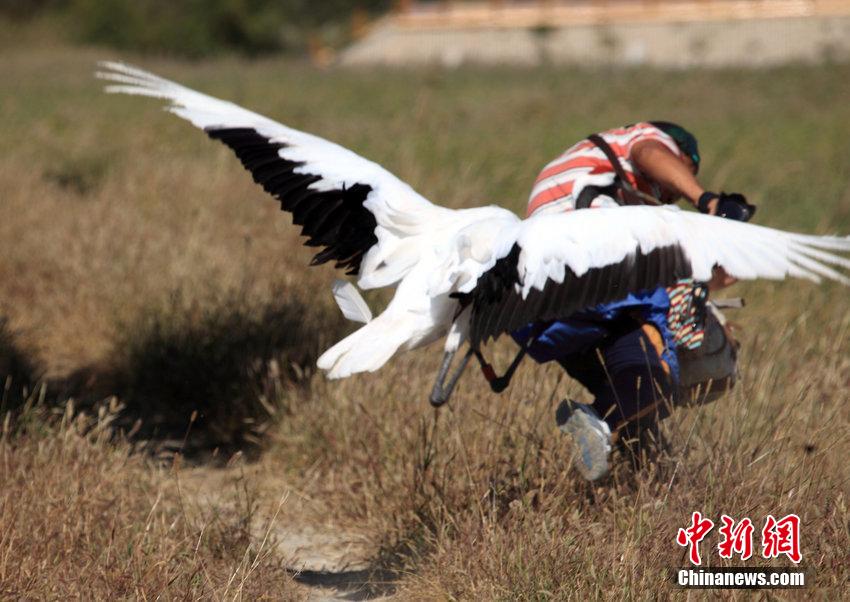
(560, 182)
(686, 316)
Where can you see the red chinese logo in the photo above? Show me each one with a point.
(778, 537)
(736, 539)
(782, 537)
(694, 534)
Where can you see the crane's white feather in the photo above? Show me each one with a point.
(403, 216)
(351, 302)
(582, 240)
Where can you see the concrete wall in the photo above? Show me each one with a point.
(752, 43)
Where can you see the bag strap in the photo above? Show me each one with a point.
(630, 194)
(590, 192)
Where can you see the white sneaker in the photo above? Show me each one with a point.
(591, 435)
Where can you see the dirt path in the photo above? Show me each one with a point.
(329, 562)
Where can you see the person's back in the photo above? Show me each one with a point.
(566, 180)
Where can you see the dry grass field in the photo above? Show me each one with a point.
(155, 300)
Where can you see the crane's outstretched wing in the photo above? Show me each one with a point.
(361, 214)
(559, 264)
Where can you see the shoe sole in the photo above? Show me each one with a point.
(594, 447)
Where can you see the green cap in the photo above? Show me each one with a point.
(683, 138)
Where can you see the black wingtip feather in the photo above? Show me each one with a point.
(347, 230)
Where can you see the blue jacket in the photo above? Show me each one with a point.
(586, 329)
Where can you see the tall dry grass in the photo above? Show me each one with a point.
(82, 517)
(128, 235)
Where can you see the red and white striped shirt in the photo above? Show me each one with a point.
(561, 181)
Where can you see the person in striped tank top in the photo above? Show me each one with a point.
(624, 352)
(650, 157)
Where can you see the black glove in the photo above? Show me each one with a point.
(731, 206)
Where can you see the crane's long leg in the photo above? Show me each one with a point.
(441, 393)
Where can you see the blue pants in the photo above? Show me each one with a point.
(622, 353)
(631, 382)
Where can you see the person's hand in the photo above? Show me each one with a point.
(731, 206)
(720, 279)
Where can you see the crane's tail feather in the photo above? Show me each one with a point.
(366, 349)
(351, 303)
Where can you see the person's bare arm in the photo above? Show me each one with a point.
(660, 165)
(656, 161)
